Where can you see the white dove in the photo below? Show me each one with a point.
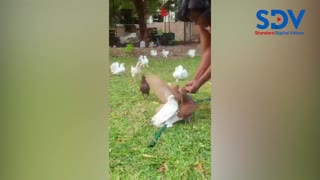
(153, 53)
(140, 58)
(167, 112)
(136, 70)
(145, 61)
(165, 53)
(191, 53)
(180, 73)
(117, 68)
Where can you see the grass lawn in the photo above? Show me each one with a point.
(182, 152)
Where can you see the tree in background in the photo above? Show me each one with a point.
(142, 8)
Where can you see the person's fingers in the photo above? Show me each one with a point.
(191, 89)
(190, 83)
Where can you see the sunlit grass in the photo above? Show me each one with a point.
(182, 152)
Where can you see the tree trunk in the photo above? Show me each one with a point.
(141, 8)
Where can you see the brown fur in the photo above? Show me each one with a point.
(176, 92)
(187, 107)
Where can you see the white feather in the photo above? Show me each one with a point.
(166, 112)
(172, 120)
(117, 68)
(180, 73)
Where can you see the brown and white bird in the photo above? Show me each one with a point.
(144, 86)
(187, 105)
(169, 108)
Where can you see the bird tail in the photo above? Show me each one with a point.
(159, 87)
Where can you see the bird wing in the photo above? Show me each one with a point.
(166, 112)
(172, 120)
(160, 87)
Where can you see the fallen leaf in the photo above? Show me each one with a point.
(147, 156)
(198, 166)
(163, 168)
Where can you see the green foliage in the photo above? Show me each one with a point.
(128, 48)
(182, 152)
(153, 6)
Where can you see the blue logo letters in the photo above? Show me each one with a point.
(281, 16)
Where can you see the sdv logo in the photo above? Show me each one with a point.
(296, 20)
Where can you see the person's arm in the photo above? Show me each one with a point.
(197, 84)
(204, 63)
(204, 78)
(205, 37)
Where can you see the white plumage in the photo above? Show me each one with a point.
(144, 61)
(172, 120)
(180, 73)
(136, 70)
(191, 53)
(140, 58)
(153, 53)
(117, 68)
(167, 112)
(165, 53)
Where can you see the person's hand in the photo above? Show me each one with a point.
(192, 86)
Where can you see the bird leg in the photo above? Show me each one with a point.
(187, 120)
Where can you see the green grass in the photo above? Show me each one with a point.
(182, 152)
